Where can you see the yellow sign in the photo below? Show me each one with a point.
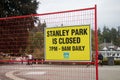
(69, 43)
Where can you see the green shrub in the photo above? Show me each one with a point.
(105, 62)
(117, 62)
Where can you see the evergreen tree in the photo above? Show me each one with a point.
(106, 34)
(17, 7)
(100, 38)
(113, 35)
(14, 32)
(117, 41)
(109, 35)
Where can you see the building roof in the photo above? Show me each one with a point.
(108, 46)
(105, 48)
(118, 48)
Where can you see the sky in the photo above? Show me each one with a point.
(108, 10)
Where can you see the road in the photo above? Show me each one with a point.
(57, 72)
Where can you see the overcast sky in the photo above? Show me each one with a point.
(108, 10)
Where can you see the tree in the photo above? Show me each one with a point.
(36, 40)
(93, 39)
(14, 32)
(17, 7)
(117, 42)
(109, 35)
(106, 34)
(100, 38)
(38, 44)
(113, 35)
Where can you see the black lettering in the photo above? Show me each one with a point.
(57, 33)
(54, 40)
(72, 31)
(67, 31)
(78, 48)
(71, 40)
(53, 48)
(79, 31)
(47, 33)
(85, 31)
(60, 40)
(66, 48)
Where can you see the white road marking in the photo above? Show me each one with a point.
(35, 73)
(83, 68)
(11, 76)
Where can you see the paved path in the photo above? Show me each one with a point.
(109, 73)
(57, 72)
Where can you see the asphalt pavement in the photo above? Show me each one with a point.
(57, 72)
